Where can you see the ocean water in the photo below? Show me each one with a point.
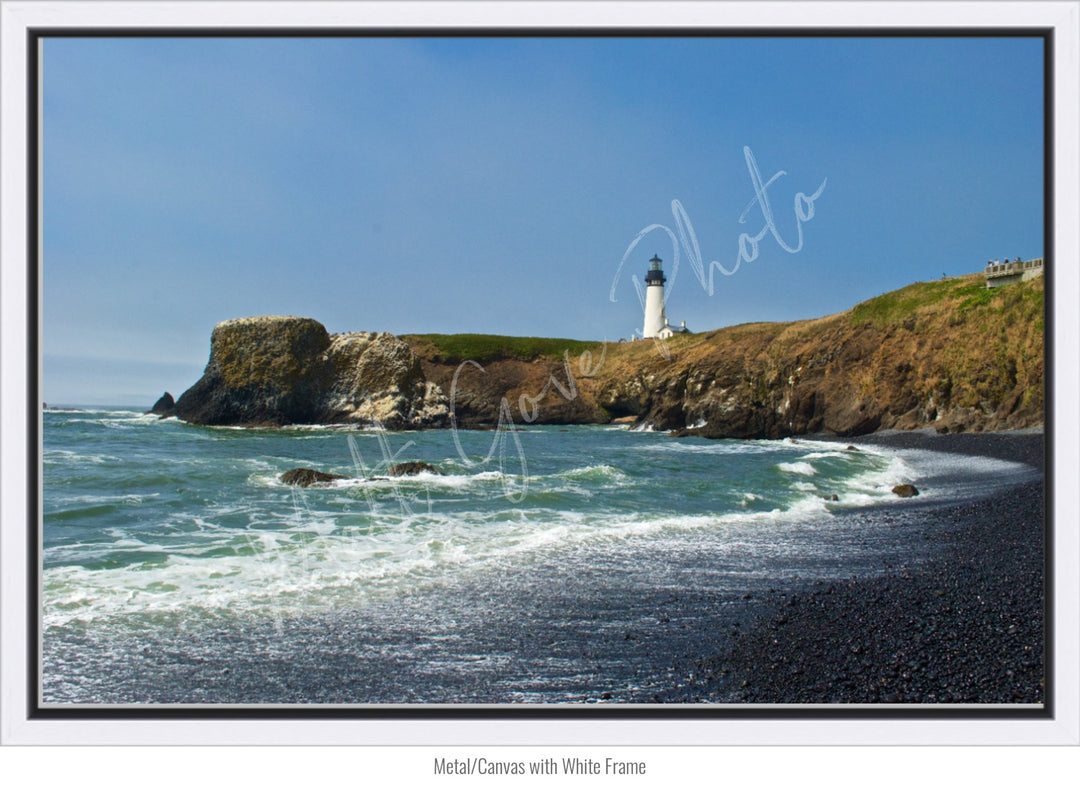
(177, 568)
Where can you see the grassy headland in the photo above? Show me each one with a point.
(480, 347)
(951, 354)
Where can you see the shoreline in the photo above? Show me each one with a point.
(908, 602)
(966, 626)
(1020, 445)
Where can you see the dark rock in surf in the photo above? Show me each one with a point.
(165, 406)
(905, 490)
(412, 468)
(305, 476)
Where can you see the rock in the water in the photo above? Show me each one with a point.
(412, 468)
(905, 490)
(305, 476)
(288, 370)
(262, 371)
(164, 406)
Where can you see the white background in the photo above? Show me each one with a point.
(341, 761)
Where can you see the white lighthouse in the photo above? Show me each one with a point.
(655, 321)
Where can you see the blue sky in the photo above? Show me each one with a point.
(453, 185)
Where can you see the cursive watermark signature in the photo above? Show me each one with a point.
(684, 239)
(389, 459)
(528, 408)
(506, 452)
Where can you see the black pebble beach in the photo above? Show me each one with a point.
(944, 605)
(964, 626)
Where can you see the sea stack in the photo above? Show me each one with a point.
(279, 370)
(165, 406)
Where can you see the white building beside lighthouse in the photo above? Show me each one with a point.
(656, 321)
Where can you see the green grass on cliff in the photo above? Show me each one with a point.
(896, 306)
(480, 347)
(963, 297)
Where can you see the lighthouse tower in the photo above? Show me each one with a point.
(655, 321)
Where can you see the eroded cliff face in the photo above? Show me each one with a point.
(949, 355)
(513, 391)
(289, 370)
(376, 378)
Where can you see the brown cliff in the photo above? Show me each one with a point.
(950, 355)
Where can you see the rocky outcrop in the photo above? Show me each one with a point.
(413, 468)
(165, 406)
(946, 355)
(262, 371)
(288, 370)
(512, 391)
(305, 476)
(949, 355)
(376, 378)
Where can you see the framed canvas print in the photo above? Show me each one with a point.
(692, 372)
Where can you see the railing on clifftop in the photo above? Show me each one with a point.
(1001, 273)
(994, 270)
